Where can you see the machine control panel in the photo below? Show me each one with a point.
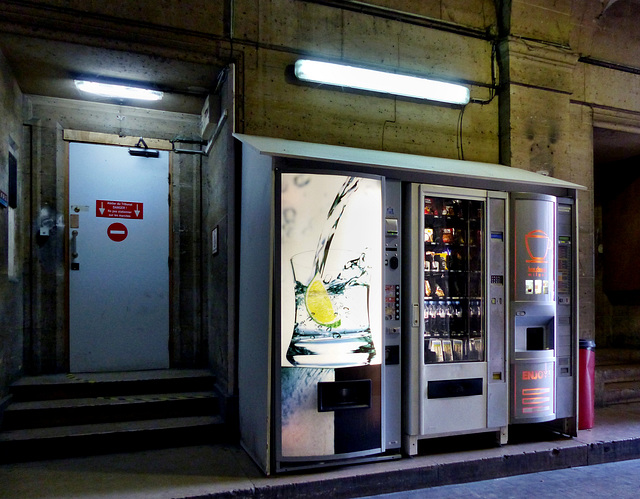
(391, 309)
(392, 304)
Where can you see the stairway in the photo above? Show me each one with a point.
(617, 376)
(81, 414)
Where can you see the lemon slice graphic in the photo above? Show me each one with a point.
(319, 305)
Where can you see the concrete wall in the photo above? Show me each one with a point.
(219, 201)
(13, 272)
(280, 31)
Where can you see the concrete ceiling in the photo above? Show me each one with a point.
(48, 68)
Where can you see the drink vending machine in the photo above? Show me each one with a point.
(543, 321)
(330, 327)
(320, 317)
(387, 299)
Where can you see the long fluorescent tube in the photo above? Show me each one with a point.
(379, 81)
(117, 91)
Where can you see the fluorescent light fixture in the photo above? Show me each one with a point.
(379, 81)
(117, 91)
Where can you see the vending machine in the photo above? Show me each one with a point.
(455, 313)
(329, 359)
(543, 320)
(387, 299)
(321, 379)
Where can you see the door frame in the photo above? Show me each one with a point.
(112, 140)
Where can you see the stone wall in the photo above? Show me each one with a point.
(606, 96)
(219, 268)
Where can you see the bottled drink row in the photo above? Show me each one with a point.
(453, 331)
(452, 318)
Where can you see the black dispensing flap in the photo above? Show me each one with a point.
(535, 338)
(454, 388)
(340, 395)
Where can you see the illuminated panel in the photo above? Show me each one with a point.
(534, 384)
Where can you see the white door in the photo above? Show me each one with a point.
(118, 262)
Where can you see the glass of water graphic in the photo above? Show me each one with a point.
(331, 326)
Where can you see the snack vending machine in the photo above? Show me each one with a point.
(455, 313)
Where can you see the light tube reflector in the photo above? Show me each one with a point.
(117, 91)
(379, 81)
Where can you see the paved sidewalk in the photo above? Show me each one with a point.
(619, 480)
(226, 471)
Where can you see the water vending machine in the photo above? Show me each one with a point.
(320, 335)
(329, 337)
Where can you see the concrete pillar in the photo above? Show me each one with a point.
(542, 130)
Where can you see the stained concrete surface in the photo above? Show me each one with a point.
(226, 471)
(167, 473)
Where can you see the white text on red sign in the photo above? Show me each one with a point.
(119, 209)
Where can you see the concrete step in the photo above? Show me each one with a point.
(51, 412)
(85, 385)
(622, 393)
(80, 414)
(615, 373)
(615, 356)
(126, 436)
(106, 429)
(617, 376)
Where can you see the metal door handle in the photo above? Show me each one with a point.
(74, 251)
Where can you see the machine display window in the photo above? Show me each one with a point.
(453, 306)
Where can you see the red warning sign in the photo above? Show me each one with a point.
(119, 209)
(117, 232)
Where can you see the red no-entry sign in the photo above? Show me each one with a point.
(117, 232)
